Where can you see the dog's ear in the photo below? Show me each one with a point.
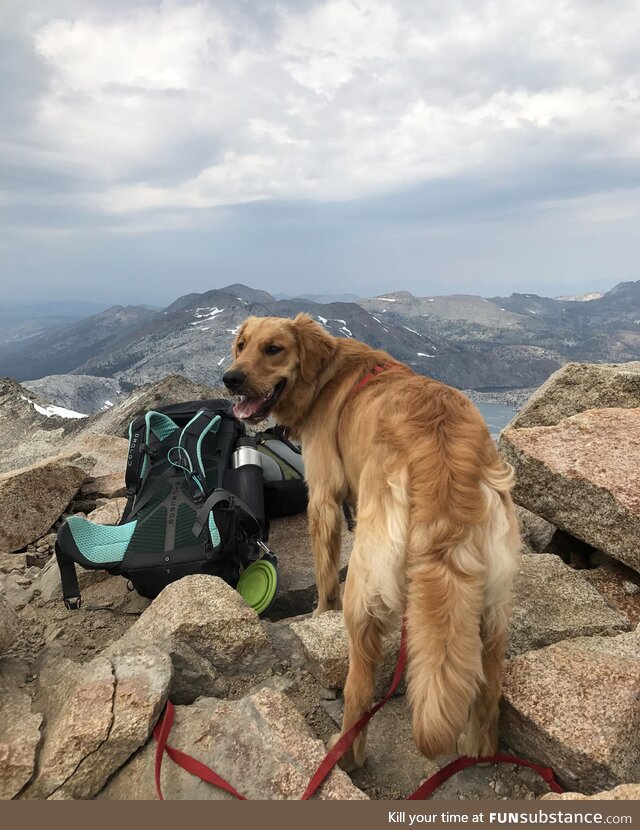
(315, 347)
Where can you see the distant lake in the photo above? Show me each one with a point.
(497, 415)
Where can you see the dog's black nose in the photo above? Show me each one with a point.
(233, 379)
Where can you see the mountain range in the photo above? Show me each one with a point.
(467, 341)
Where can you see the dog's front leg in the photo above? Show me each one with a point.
(324, 528)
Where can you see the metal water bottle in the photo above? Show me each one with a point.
(248, 476)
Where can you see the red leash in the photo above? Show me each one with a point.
(200, 770)
(429, 786)
(192, 765)
(335, 754)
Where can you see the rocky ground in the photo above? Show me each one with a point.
(256, 699)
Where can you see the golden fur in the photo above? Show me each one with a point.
(436, 535)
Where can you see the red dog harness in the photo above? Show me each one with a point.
(381, 367)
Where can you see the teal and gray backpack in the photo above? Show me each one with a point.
(196, 504)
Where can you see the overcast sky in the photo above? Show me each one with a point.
(149, 149)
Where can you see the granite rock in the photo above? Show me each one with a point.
(209, 631)
(623, 792)
(552, 602)
(577, 387)
(19, 735)
(573, 706)
(583, 476)
(97, 716)
(32, 499)
(326, 646)
(259, 744)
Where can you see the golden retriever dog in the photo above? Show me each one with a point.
(436, 536)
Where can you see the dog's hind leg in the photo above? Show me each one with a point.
(366, 632)
(373, 601)
(480, 738)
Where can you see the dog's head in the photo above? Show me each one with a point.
(277, 366)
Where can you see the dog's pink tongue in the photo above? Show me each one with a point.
(247, 407)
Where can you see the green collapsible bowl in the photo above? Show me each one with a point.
(258, 585)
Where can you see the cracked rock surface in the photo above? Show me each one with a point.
(259, 744)
(19, 735)
(97, 715)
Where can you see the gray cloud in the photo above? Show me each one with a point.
(346, 142)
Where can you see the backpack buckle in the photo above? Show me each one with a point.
(72, 603)
(145, 449)
(267, 553)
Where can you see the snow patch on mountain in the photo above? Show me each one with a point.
(52, 410)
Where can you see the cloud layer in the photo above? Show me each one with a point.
(397, 121)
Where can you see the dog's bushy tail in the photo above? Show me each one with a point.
(447, 567)
(445, 594)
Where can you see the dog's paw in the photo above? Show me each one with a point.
(322, 610)
(474, 745)
(329, 604)
(351, 760)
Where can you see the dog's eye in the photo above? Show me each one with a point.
(240, 346)
(273, 349)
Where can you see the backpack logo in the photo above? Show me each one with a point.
(132, 448)
(173, 503)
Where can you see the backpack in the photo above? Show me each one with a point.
(195, 504)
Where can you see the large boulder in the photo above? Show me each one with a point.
(259, 744)
(31, 499)
(19, 735)
(108, 453)
(553, 602)
(583, 476)
(210, 633)
(573, 706)
(97, 716)
(577, 387)
(297, 591)
(108, 486)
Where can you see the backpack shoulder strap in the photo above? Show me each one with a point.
(135, 456)
(211, 458)
(145, 430)
(69, 580)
